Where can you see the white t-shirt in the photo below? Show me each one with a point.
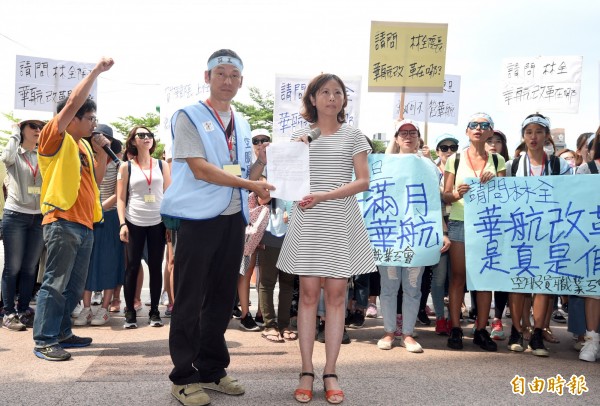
(143, 207)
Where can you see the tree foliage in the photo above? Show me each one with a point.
(10, 117)
(150, 121)
(260, 113)
(378, 147)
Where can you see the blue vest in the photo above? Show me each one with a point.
(193, 199)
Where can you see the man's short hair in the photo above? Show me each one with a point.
(88, 106)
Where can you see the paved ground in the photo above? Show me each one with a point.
(130, 367)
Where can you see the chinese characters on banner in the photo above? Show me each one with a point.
(288, 103)
(402, 210)
(40, 83)
(407, 55)
(534, 234)
(543, 83)
(432, 107)
(178, 95)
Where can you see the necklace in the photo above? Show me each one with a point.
(473, 168)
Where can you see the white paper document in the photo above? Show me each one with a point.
(288, 170)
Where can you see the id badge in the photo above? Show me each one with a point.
(235, 170)
(149, 198)
(34, 190)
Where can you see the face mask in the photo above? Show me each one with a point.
(548, 150)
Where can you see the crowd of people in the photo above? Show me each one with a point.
(82, 211)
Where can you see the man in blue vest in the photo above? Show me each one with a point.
(208, 199)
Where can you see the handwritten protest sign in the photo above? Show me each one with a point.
(407, 55)
(178, 95)
(534, 234)
(402, 210)
(40, 83)
(289, 91)
(432, 107)
(547, 83)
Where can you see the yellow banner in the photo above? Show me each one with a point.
(407, 57)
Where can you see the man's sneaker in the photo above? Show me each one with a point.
(12, 322)
(75, 342)
(100, 318)
(237, 313)
(154, 319)
(96, 298)
(423, 318)
(27, 317)
(77, 310)
(536, 344)
(52, 353)
(482, 339)
(497, 330)
(558, 316)
(441, 327)
(320, 334)
(130, 319)
(247, 323)
(259, 319)
(345, 337)
(515, 341)
(591, 348)
(349, 317)
(85, 316)
(190, 395)
(164, 298)
(371, 311)
(358, 319)
(455, 341)
(398, 332)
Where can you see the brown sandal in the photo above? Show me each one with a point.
(548, 336)
(527, 332)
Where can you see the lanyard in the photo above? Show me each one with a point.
(149, 180)
(472, 167)
(34, 172)
(228, 131)
(544, 166)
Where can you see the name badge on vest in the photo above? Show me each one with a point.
(235, 170)
(149, 198)
(208, 126)
(34, 190)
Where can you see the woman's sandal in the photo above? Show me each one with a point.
(527, 332)
(304, 395)
(115, 306)
(548, 336)
(332, 393)
(272, 335)
(289, 335)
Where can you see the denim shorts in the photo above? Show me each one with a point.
(456, 230)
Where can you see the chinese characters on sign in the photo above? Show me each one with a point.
(548, 83)
(288, 102)
(432, 107)
(407, 55)
(534, 234)
(178, 95)
(40, 83)
(576, 385)
(402, 210)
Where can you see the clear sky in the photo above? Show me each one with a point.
(154, 42)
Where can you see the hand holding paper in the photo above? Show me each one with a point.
(289, 170)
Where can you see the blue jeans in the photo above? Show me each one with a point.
(438, 281)
(391, 279)
(69, 248)
(23, 245)
(360, 290)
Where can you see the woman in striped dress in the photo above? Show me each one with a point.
(327, 241)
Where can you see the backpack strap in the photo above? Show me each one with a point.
(456, 162)
(515, 166)
(128, 179)
(495, 159)
(554, 165)
(593, 167)
(160, 165)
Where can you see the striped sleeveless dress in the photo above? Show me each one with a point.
(330, 239)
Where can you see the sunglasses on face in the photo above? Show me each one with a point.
(484, 125)
(445, 148)
(141, 136)
(35, 126)
(257, 141)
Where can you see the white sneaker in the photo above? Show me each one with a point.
(101, 317)
(77, 310)
(591, 348)
(96, 298)
(164, 299)
(84, 317)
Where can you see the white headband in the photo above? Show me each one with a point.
(225, 60)
(484, 116)
(536, 120)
